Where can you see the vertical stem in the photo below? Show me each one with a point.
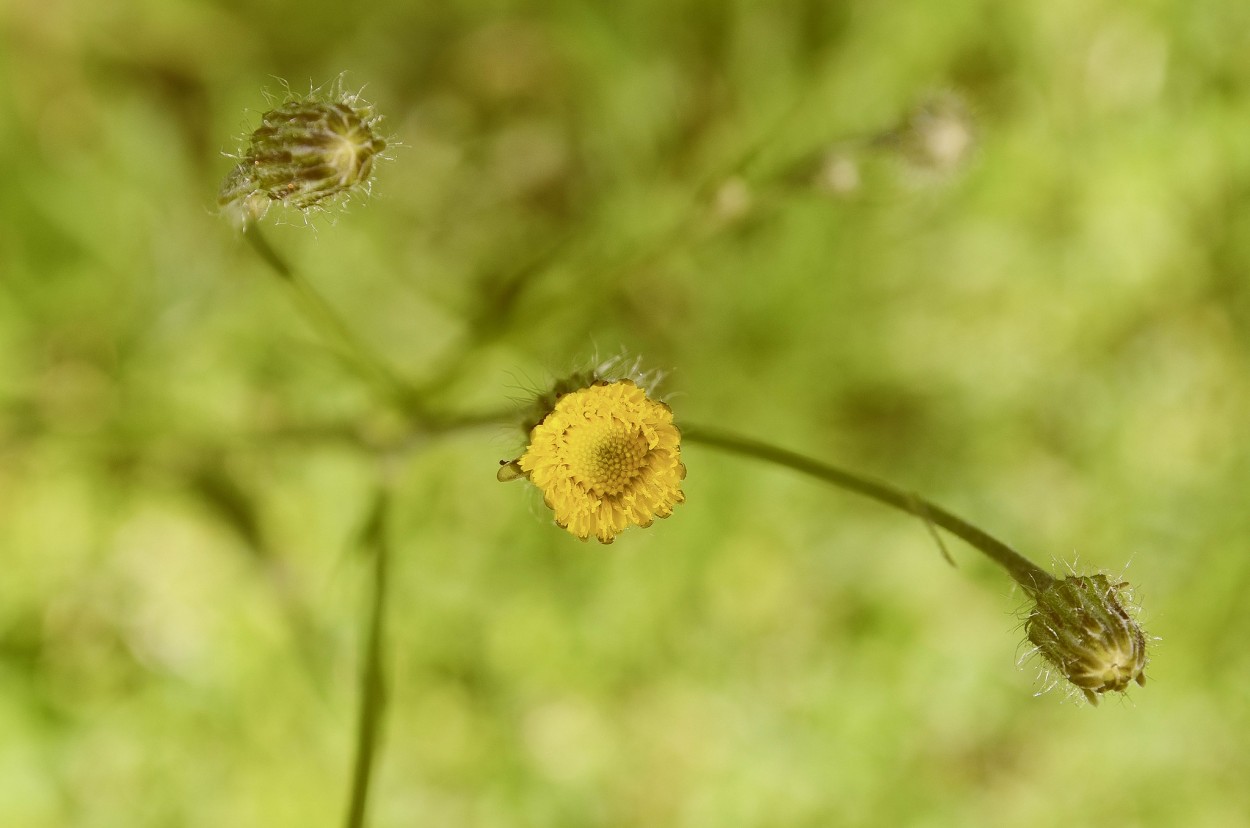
(373, 671)
(1020, 568)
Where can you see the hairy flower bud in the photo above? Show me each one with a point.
(1080, 627)
(305, 151)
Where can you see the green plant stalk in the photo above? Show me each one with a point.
(321, 315)
(491, 323)
(373, 672)
(1025, 573)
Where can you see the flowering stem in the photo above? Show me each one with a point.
(1029, 576)
(372, 676)
(322, 316)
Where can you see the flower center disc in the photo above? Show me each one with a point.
(605, 458)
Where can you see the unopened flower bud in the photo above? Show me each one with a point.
(1080, 627)
(306, 151)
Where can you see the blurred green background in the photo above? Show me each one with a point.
(993, 252)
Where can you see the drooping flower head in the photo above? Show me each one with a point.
(606, 456)
(306, 151)
(1080, 627)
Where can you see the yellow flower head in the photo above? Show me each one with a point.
(606, 456)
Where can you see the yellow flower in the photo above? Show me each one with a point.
(607, 456)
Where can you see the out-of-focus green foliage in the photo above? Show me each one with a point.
(1048, 333)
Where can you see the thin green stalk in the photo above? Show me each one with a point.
(330, 326)
(492, 322)
(1021, 569)
(373, 670)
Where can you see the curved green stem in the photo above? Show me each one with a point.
(1020, 568)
